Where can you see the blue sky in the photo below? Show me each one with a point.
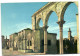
(17, 16)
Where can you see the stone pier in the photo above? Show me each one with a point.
(61, 35)
(45, 38)
(77, 18)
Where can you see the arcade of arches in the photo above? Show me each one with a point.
(38, 39)
(44, 13)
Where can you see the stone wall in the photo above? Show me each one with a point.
(52, 48)
(13, 40)
(41, 40)
(52, 38)
(28, 35)
(37, 41)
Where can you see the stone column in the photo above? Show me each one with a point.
(61, 35)
(77, 18)
(29, 44)
(45, 38)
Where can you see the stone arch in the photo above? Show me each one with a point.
(37, 23)
(64, 9)
(48, 15)
(45, 12)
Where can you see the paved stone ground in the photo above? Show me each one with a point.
(15, 53)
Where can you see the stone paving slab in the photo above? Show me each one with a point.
(17, 53)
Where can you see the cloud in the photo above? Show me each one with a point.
(16, 28)
(51, 29)
(22, 26)
(66, 26)
(71, 24)
(19, 27)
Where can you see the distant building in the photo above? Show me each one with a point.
(29, 41)
(12, 41)
(5, 42)
(69, 44)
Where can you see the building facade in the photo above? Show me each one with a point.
(5, 42)
(38, 39)
(28, 41)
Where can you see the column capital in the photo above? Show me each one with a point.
(45, 27)
(61, 23)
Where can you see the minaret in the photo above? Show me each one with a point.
(69, 34)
